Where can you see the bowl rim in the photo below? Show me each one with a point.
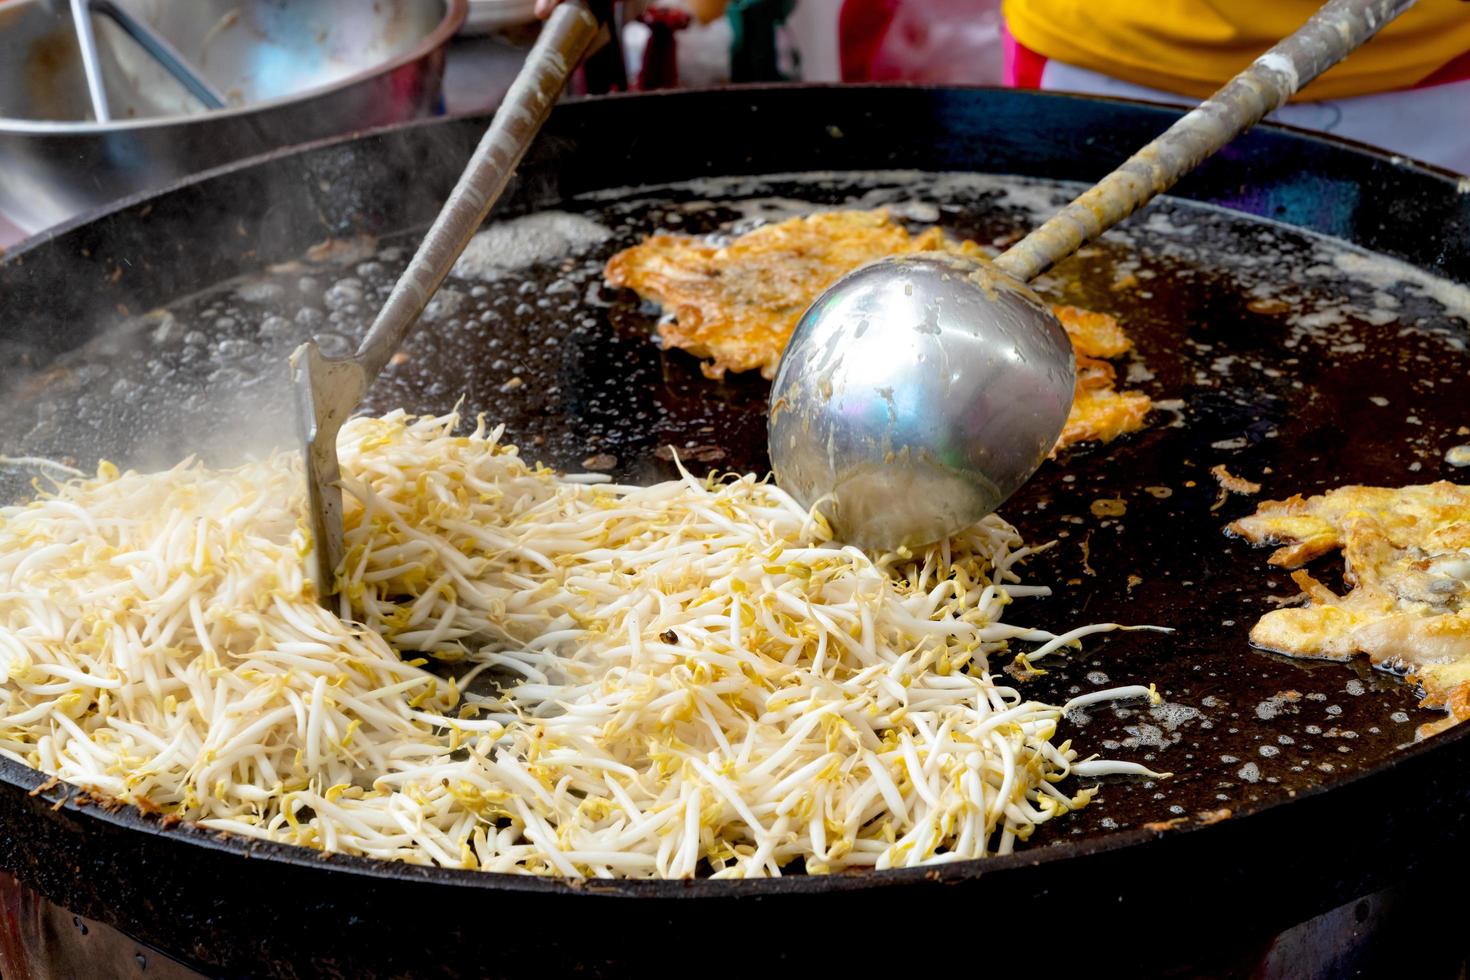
(455, 12)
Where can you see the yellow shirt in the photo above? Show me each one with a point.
(1194, 46)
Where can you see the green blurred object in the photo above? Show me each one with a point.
(753, 56)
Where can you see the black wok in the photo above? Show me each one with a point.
(1275, 812)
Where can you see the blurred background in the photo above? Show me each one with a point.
(103, 99)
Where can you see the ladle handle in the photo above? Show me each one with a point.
(567, 35)
(1332, 33)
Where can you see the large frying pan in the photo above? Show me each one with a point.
(1316, 816)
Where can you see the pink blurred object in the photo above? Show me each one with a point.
(945, 42)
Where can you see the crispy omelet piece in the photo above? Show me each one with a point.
(1100, 413)
(1093, 334)
(1406, 555)
(1103, 415)
(736, 304)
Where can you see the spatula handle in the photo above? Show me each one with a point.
(1332, 33)
(568, 33)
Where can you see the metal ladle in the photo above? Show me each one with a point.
(919, 392)
(329, 389)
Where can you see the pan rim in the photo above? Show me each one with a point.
(1460, 182)
(66, 796)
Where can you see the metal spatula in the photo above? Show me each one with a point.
(330, 389)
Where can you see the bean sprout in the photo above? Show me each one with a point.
(682, 679)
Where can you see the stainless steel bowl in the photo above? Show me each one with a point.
(289, 72)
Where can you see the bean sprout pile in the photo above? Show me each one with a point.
(683, 679)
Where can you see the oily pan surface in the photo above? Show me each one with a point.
(1292, 360)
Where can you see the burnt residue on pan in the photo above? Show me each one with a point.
(1291, 360)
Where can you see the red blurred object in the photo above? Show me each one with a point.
(945, 42)
(660, 67)
(1023, 67)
